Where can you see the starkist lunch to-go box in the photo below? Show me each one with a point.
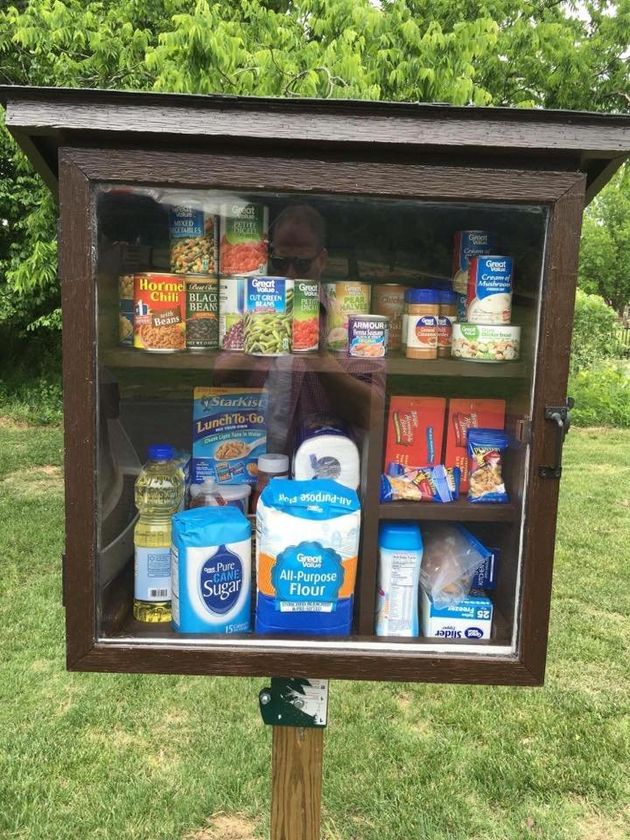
(415, 431)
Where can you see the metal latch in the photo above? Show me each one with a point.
(560, 415)
(294, 702)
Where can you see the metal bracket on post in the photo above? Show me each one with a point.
(560, 415)
(293, 701)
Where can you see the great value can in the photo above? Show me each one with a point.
(231, 309)
(202, 312)
(486, 343)
(159, 312)
(489, 290)
(367, 336)
(305, 316)
(267, 327)
(244, 232)
(389, 299)
(347, 297)
(193, 235)
(468, 244)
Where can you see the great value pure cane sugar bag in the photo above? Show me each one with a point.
(307, 542)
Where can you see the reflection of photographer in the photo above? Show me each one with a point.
(297, 251)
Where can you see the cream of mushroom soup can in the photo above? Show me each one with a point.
(489, 290)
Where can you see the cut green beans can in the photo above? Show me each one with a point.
(268, 322)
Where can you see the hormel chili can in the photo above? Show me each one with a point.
(489, 290)
(159, 312)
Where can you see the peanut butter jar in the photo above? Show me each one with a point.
(422, 308)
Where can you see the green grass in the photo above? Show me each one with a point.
(153, 758)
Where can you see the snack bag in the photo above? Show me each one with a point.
(451, 557)
(486, 480)
(420, 484)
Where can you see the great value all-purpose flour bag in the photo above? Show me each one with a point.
(229, 433)
(307, 543)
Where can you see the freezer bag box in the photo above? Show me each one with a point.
(229, 433)
(464, 414)
(469, 619)
(415, 431)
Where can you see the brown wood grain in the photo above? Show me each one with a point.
(344, 177)
(552, 371)
(76, 268)
(321, 122)
(296, 783)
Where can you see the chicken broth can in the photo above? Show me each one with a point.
(345, 298)
(367, 335)
(202, 312)
(389, 299)
(193, 235)
(159, 312)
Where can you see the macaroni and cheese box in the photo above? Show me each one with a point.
(470, 618)
(415, 431)
(229, 433)
(464, 414)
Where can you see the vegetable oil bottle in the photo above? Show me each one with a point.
(159, 494)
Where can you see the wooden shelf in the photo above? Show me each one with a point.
(127, 357)
(460, 511)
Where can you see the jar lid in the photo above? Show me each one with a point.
(274, 463)
(161, 452)
(447, 297)
(422, 296)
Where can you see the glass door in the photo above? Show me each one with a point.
(385, 345)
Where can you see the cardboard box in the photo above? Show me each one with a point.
(469, 414)
(486, 575)
(470, 618)
(415, 431)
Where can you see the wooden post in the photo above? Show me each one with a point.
(296, 786)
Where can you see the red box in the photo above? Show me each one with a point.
(464, 415)
(415, 431)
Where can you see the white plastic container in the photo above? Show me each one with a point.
(211, 494)
(400, 558)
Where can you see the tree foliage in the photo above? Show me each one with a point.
(544, 53)
(605, 249)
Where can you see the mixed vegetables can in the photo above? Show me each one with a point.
(159, 312)
(193, 240)
(202, 312)
(125, 310)
(268, 318)
(305, 316)
(344, 298)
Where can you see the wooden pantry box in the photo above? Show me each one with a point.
(360, 192)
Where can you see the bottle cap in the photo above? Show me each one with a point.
(275, 464)
(400, 535)
(161, 452)
(422, 296)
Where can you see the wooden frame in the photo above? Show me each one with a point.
(561, 191)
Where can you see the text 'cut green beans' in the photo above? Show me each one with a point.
(268, 322)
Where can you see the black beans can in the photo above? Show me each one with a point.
(202, 312)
